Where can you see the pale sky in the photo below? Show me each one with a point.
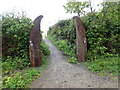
(52, 10)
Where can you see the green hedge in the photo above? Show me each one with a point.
(103, 37)
(102, 30)
(15, 35)
(15, 49)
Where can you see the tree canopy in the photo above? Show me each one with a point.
(76, 7)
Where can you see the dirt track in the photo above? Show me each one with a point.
(61, 74)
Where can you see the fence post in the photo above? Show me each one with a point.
(80, 39)
(35, 44)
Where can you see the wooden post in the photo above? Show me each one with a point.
(80, 39)
(34, 47)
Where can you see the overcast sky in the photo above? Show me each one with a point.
(52, 10)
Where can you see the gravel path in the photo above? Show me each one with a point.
(61, 74)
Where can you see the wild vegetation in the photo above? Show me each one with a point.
(103, 37)
(15, 51)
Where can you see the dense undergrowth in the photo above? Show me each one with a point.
(15, 51)
(103, 37)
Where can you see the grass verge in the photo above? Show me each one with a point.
(103, 66)
(17, 73)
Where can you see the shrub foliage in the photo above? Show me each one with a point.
(15, 35)
(15, 51)
(103, 36)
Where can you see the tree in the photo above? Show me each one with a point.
(76, 7)
(91, 9)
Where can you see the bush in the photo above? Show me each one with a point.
(103, 31)
(15, 45)
(103, 36)
(15, 35)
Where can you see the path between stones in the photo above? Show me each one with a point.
(61, 74)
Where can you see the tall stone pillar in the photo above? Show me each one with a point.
(35, 44)
(80, 39)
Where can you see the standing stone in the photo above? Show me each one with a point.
(35, 44)
(80, 39)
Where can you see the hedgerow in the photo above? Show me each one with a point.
(15, 51)
(103, 37)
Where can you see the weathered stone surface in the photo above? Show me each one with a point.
(34, 47)
(80, 39)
